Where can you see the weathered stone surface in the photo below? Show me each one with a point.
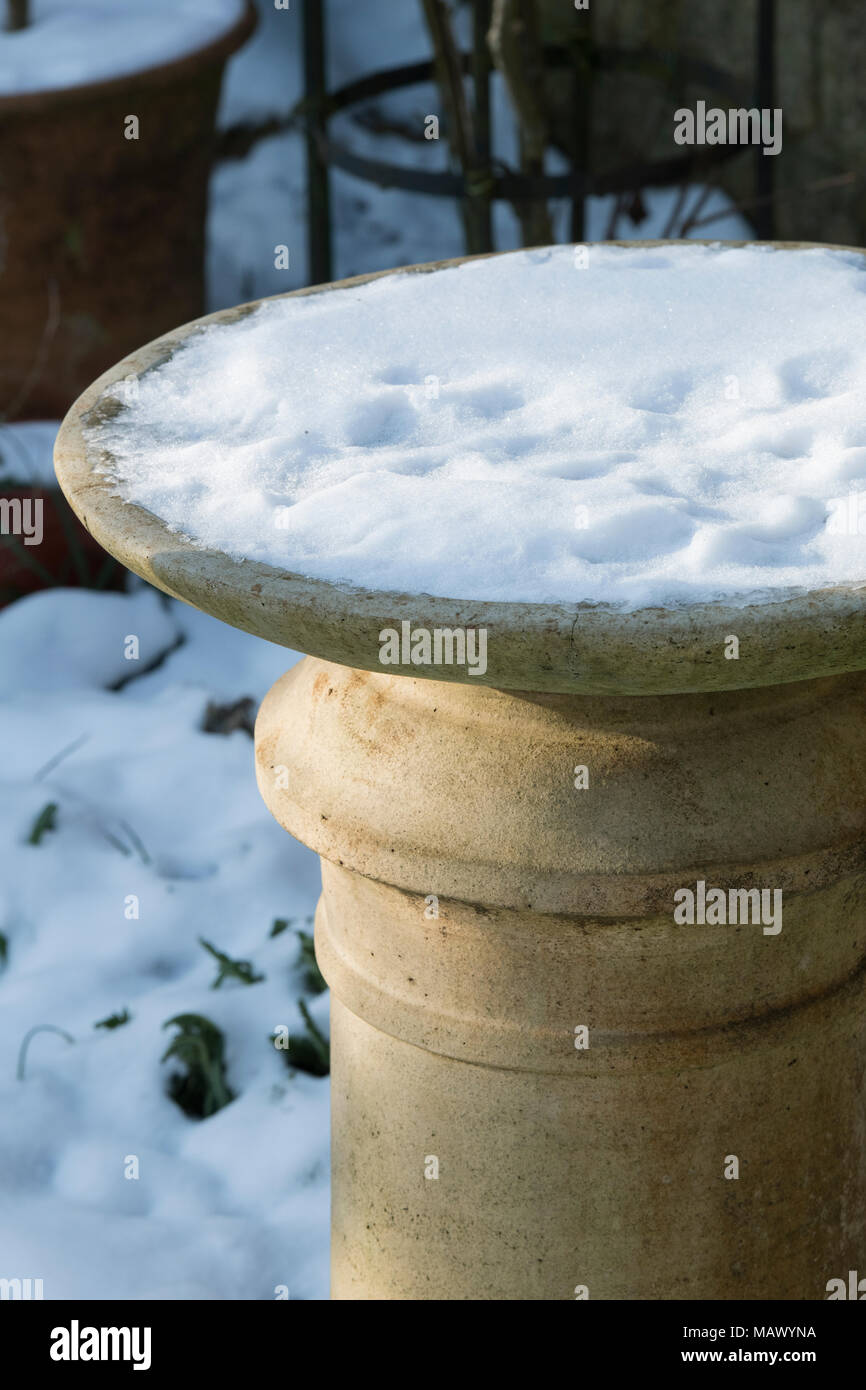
(477, 908)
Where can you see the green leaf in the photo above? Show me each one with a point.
(201, 1087)
(309, 1051)
(231, 969)
(114, 1020)
(46, 820)
(314, 980)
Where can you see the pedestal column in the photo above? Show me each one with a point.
(543, 1084)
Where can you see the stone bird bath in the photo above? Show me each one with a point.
(543, 1084)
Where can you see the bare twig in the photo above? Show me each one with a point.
(236, 141)
(697, 207)
(40, 1028)
(779, 195)
(516, 49)
(131, 834)
(615, 214)
(151, 666)
(461, 138)
(450, 79)
(676, 211)
(58, 757)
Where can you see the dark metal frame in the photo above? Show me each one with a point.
(324, 152)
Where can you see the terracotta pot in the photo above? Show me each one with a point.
(545, 1086)
(103, 237)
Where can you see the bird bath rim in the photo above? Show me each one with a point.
(588, 648)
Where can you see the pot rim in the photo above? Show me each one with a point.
(218, 49)
(580, 647)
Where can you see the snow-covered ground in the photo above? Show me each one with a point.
(149, 806)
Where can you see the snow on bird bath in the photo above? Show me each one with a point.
(635, 425)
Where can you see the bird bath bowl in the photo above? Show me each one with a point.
(593, 918)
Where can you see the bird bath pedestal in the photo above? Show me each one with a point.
(548, 1082)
